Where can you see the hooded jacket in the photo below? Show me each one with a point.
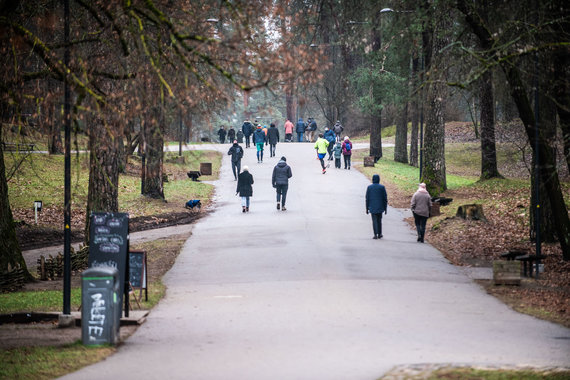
(301, 126)
(376, 197)
(281, 174)
(259, 136)
(244, 188)
(236, 152)
(247, 128)
(330, 136)
(421, 202)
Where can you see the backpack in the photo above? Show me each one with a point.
(347, 147)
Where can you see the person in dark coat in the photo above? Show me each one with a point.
(239, 136)
(330, 137)
(231, 134)
(236, 152)
(245, 188)
(300, 129)
(247, 129)
(376, 204)
(222, 134)
(280, 181)
(272, 138)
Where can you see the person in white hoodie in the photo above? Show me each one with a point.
(420, 205)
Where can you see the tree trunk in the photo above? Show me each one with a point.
(415, 115)
(401, 140)
(154, 139)
(290, 104)
(433, 173)
(488, 147)
(103, 194)
(376, 137)
(55, 145)
(10, 252)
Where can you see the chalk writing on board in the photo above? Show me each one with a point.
(136, 269)
(99, 219)
(96, 316)
(102, 230)
(114, 222)
(109, 248)
(98, 264)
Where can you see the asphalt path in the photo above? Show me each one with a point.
(308, 294)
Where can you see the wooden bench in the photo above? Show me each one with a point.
(17, 147)
(529, 260)
(194, 174)
(512, 255)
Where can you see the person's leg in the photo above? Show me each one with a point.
(283, 196)
(348, 162)
(375, 225)
(337, 162)
(278, 193)
(380, 226)
(261, 148)
(423, 221)
(345, 162)
(247, 204)
(418, 225)
(234, 169)
(243, 203)
(238, 166)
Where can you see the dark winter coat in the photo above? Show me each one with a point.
(222, 133)
(330, 136)
(231, 135)
(259, 136)
(281, 174)
(376, 197)
(301, 126)
(273, 135)
(236, 152)
(338, 128)
(244, 188)
(312, 125)
(247, 128)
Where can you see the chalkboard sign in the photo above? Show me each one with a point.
(109, 244)
(137, 269)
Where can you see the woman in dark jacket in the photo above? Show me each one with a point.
(244, 188)
(273, 138)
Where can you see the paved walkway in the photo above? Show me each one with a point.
(308, 294)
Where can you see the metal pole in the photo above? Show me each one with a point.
(180, 136)
(537, 156)
(67, 175)
(422, 117)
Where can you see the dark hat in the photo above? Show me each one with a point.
(283, 159)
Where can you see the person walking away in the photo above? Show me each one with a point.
(247, 129)
(222, 134)
(289, 131)
(300, 129)
(236, 152)
(280, 181)
(346, 152)
(231, 134)
(420, 206)
(321, 146)
(244, 188)
(376, 204)
(259, 139)
(311, 128)
(330, 137)
(239, 136)
(337, 154)
(337, 129)
(272, 138)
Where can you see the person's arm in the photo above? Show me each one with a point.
(367, 202)
(273, 178)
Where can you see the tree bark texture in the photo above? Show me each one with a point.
(401, 139)
(414, 105)
(154, 139)
(376, 137)
(103, 193)
(488, 146)
(10, 252)
(433, 173)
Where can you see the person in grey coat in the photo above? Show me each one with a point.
(376, 204)
(280, 181)
(420, 205)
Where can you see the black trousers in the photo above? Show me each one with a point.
(247, 141)
(272, 150)
(236, 166)
(377, 224)
(346, 161)
(420, 225)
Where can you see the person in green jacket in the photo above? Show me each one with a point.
(321, 146)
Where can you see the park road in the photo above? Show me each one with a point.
(308, 294)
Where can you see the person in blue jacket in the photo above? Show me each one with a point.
(259, 139)
(376, 204)
(300, 129)
(330, 137)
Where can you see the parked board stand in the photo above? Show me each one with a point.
(138, 273)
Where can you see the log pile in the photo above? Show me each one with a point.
(52, 267)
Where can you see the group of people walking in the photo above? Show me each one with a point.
(326, 144)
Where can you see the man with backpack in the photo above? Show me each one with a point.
(236, 152)
(337, 129)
